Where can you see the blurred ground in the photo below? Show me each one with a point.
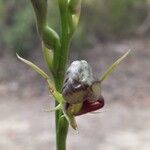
(124, 124)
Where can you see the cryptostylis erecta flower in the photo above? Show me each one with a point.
(81, 92)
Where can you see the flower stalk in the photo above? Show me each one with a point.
(55, 52)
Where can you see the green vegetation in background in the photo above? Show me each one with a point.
(109, 19)
(114, 19)
(15, 24)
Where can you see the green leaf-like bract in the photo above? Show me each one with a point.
(113, 66)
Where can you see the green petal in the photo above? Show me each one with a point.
(113, 66)
(34, 67)
(58, 107)
(52, 90)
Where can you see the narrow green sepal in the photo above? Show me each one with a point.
(58, 107)
(52, 90)
(34, 67)
(113, 66)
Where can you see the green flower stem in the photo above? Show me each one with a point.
(63, 52)
(63, 55)
(57, 60)
(62, 132)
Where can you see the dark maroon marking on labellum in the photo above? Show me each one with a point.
(89, 106)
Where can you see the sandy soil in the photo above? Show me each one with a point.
(124, 123)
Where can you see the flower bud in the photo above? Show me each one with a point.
(80, 84)
(81, 90)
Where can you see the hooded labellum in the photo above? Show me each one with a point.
(81, 87)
